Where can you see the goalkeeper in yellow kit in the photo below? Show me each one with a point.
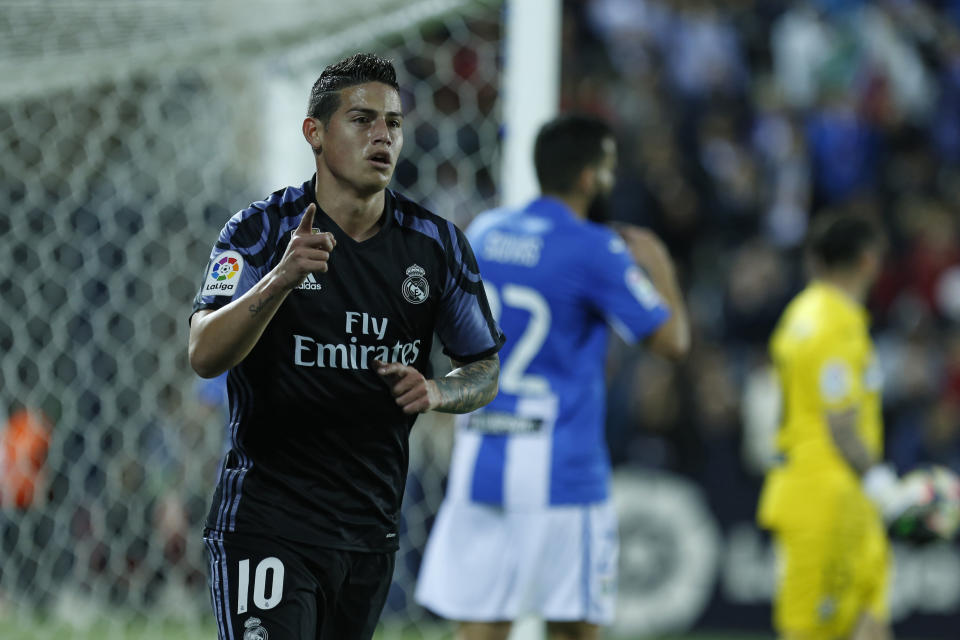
(828, 501)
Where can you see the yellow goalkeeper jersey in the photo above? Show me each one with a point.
(824, 359)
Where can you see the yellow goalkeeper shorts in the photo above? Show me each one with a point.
(834, 566)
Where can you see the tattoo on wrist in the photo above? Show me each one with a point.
(469, 387)
(257, 307)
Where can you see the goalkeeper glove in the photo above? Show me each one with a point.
(891, 496)
(936, 519)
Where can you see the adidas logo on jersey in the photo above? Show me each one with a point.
(310, 284)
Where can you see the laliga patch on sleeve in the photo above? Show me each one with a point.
(617, 245)
(641, 288)
(223, 276)
(835, 380)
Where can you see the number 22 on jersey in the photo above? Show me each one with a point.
(514, 378)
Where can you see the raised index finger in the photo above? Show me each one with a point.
(306, 222)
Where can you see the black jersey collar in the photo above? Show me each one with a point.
(326, 223)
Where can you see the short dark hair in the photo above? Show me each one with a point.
(357, 69)
(566, 146)
(837, 241)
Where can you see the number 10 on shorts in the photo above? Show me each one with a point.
(260, 598)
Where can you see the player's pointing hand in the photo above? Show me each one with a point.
(307, 252)
(413, 392)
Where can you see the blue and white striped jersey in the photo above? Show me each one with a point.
(555, 283)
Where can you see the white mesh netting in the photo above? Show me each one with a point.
(130, 133)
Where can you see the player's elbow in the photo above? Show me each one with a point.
(681, 345)
(677, 349)
(671, 342)
(204, 371)
(200, 351)
(200, 363)
(201, 358)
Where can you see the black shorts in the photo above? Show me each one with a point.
(269, 588)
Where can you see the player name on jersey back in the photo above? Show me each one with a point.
(512, 249)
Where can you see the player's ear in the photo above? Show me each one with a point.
(313, 133)
(871, 263)
(587, 180)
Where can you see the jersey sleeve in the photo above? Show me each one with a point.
(465, 325)
(620, 291)
(839, 382)
(241, 256)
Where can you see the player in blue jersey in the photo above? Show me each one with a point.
(527, 525)
(321, 303)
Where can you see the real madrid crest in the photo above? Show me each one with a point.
(254, 630)
(415, 288)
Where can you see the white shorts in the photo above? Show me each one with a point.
(485, 564)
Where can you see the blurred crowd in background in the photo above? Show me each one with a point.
(740, 121)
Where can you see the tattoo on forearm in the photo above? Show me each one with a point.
(257, 307)
(850, 443)
(470, 386)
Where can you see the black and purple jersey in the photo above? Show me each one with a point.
(317, 447)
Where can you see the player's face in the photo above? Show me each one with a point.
(364, 137)
(604, 179)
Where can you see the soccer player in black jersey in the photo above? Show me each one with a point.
(321, 302)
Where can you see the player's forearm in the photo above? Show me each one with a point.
(221, 339)
(672, 339)
(843, 429)
(469, 386)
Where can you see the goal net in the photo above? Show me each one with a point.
(130, 132)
